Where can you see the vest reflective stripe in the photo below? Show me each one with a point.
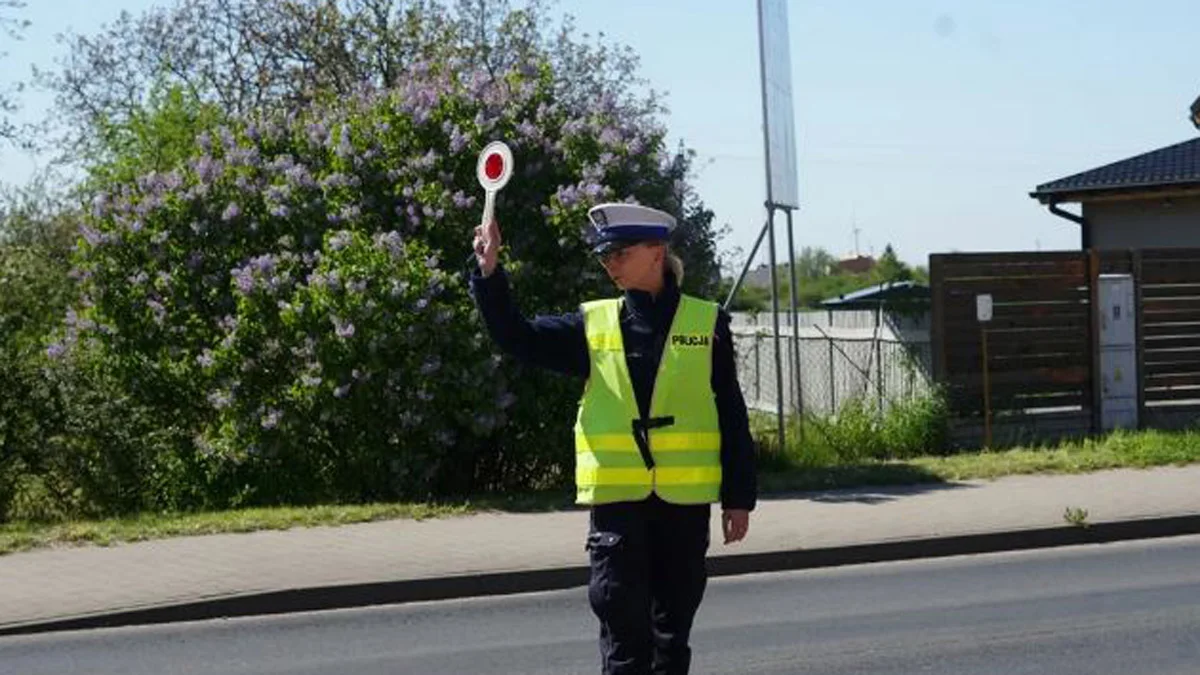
(687, 454)
(664, 442)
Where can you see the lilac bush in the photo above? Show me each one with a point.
(294, 295)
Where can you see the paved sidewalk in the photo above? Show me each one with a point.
(265, 572)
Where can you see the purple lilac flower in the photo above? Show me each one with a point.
(100, 205)
(317, 280)
(527, 129)
(568, 195)
(344, 329)
(205, 359)
(341, 391)
(231, 211)
(244, 279)
(281, 163)
(318, 134)
(278, 193)
(93, 236)
(610, 137)
(340, 240)
(160, 312)
(271, 419)
(311, 380)
(462, 200)
(299, 176)
(458, 141)
(344, 147)
(56, 350)
(428, 160)
(245, 157)
(207, 169)
(264, 264)
(357, 286)
(392, 241)
(220, 399)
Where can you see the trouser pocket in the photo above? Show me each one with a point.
(609, 572)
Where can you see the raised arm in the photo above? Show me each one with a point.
(555, 342)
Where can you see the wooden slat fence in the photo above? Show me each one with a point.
(1169, 319)
(1043, 349)
(1039, 343)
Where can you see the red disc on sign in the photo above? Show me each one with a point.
(495, 166)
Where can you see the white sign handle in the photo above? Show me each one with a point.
(489, 208)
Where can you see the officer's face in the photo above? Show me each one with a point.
(636, 267)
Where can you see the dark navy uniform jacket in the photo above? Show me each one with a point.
(559, 343)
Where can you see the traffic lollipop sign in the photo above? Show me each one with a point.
(494, 169)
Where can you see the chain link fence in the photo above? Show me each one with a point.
(842, 356)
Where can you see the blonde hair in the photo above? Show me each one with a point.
(675, 263)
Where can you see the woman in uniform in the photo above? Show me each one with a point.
(661, 433)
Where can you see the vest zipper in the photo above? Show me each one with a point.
(654, 388)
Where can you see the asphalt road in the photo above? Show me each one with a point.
(1118, 608)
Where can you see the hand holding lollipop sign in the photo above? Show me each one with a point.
(493, 169)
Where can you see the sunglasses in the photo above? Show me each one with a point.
(617, 252)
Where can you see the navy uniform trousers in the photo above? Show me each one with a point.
(647, 581)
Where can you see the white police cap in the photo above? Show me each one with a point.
(616, 224)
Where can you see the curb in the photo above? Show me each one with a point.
(529, 581)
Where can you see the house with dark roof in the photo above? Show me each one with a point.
(888, 295)
(1148, 201)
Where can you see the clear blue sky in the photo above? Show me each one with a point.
(925, 123)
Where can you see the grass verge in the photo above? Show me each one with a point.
(804, 466)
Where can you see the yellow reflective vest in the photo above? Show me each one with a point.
(676, 453)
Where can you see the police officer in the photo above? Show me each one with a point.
(662, 430)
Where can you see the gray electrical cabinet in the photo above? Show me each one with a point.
(1118, 352)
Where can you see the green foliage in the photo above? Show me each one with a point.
(819, 279)
(262, 300)
(292, 298)
(36, 235)
(156, 136)
(861, 433)
(34, 292)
